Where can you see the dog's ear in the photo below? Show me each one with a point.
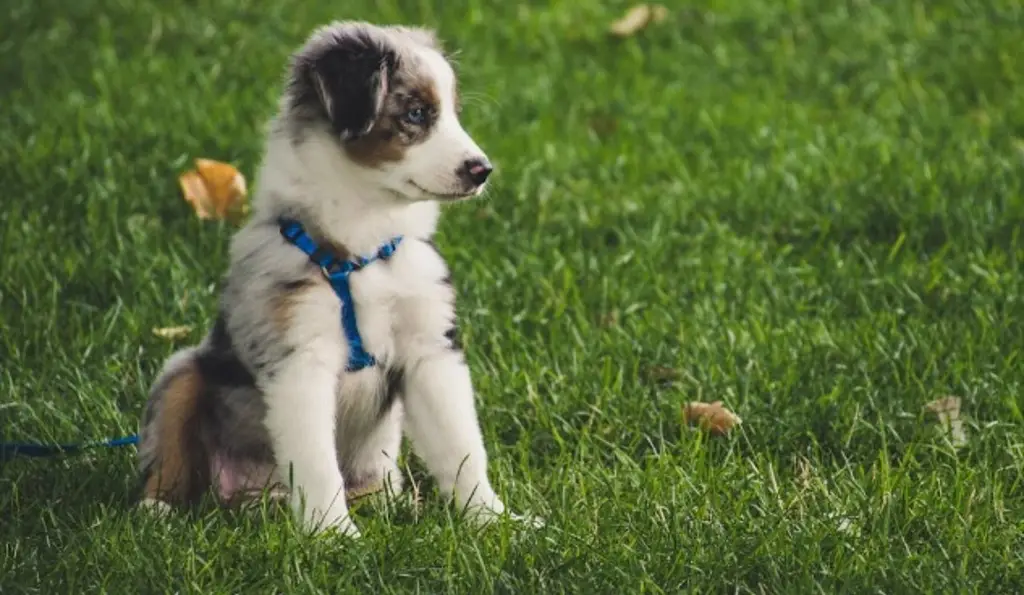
(342, 75)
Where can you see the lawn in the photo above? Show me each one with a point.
(812, 211)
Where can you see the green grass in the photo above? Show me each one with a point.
(809, 210)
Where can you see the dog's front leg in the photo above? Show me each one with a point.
(442, 424)
(301, 407)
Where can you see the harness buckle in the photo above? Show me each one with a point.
(332, 269)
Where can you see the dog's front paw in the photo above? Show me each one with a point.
(528, 521)
(345, 528)
(336, 519)
(524, 521)
(485, 513)
(483, 517)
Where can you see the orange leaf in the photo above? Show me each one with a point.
(172, 332)
(947, 410)
(194, 189)
(711, 416)
(215, 190)
(637, 18)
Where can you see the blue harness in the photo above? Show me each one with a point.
(337, 272)
(9, 450)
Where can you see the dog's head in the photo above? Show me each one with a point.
(388, 98)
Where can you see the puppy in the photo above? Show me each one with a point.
(284, 391)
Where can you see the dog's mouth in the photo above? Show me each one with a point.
(447, 195)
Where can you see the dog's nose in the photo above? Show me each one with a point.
(476, 170)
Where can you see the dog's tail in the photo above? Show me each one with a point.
(173, 459)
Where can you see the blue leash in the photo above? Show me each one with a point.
(337, 273)
(9, 450)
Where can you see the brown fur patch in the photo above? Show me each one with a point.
(340, 252)
(282, 305)
(391, 135)
(180, 470)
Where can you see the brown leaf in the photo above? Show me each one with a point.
(946, 405)
(603, 126)
(215, 190)
(637, 18)
(172, 332)
(610, 319)
(196, 194)
(947, 411)
(804, 472)
(711, 416)
(662, 373)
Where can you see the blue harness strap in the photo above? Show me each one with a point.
(337, 272)
(9, 450)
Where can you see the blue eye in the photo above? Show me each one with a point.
(416, 115)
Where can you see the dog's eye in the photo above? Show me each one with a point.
(416, 115)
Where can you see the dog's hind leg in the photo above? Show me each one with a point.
(172, 458)
(373, 467)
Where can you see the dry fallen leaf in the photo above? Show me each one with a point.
(637, 18)
(947, 410)
(804, 473)
(215, 190)
(711, 416)
(172, 332)
(662, 374)
(194, 190)
(603, 125)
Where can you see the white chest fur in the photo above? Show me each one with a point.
(403, 308)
